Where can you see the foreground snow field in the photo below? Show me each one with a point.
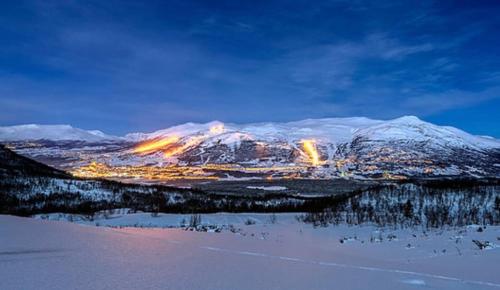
(43, 254)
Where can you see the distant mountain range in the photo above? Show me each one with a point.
(314, 148)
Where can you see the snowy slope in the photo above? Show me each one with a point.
(412, 128)
(365, 145)
(328, 130)
(51, 132)
(179, 130)
(57, 255)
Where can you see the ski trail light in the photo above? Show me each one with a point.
(154, 145)
(193, 141)
(310, 148)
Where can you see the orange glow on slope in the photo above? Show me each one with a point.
(217, 129)
(310, 148)
(153, 145)
(191, 142)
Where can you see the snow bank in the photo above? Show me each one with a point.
(37, 254)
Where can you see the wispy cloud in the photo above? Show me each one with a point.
(153, 65)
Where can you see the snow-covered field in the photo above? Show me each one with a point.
(279, 253)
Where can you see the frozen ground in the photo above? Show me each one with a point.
(44, 254)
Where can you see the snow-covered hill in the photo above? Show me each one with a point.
(332, 147)
(414, 129)
(51, 132)
(328, 130)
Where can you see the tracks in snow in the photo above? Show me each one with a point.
(337, 265)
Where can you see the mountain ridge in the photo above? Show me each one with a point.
(68, 132)
(51, 132)
(311, 148)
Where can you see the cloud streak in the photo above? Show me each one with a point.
(131, 67)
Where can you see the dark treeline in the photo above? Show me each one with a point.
(34, 195)
(432, 204)
(427, 203)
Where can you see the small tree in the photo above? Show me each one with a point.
(408, 209)
(195, 220)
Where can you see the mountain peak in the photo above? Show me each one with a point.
(51, 132)
(408, 119)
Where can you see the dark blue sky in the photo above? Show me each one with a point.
(123, 66)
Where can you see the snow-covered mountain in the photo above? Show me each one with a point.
(51, 132)
(323, 148)
(328, 130)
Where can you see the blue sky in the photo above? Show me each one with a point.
(124, 66)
